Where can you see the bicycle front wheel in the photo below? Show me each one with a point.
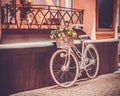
(64, 68)
(91, 61)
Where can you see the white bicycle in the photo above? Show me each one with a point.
(68, 63)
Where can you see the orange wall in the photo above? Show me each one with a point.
(4, 1)
(89, 7)
(89, 15)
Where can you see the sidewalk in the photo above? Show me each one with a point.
(103, 85)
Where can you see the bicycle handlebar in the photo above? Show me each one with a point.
(77, 26)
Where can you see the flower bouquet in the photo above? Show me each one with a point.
(64, 37)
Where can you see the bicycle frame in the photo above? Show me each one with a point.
(79, 54)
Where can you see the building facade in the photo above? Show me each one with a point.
(26, 48)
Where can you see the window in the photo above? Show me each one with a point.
(67, 3)
(105, 13)
(57, 2)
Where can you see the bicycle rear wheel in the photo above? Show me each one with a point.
(62, 75)
(91, 60)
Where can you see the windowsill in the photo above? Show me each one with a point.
(105, 29)
(105, 35)
(104, 32)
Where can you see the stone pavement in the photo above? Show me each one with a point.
(103, 85)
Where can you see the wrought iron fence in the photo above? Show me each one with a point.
(39, 16)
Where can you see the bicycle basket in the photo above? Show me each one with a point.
(65, 42)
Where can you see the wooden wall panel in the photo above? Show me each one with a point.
(28, 68)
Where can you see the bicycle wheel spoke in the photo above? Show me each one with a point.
(63, 75)
(72, 73)
(57, 74)
(92, 61)
(61, 79)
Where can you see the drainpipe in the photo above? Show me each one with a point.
(117, 28)
(119, 20)
(0, 22)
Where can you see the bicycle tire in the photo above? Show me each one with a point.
(64, 77)
(91, 57)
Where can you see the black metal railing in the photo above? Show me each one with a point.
(39, 16)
